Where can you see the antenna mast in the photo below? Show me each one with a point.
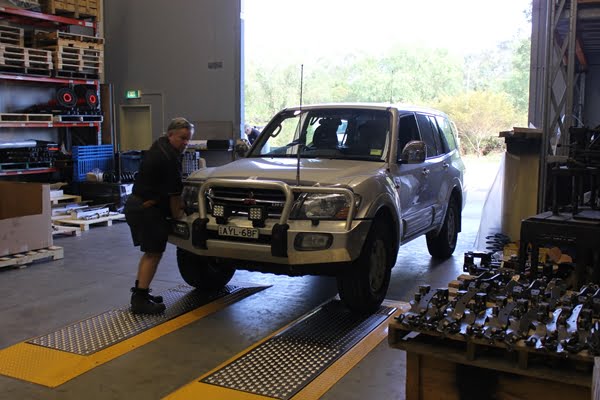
(300, 132)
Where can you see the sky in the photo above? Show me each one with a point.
(307, 29)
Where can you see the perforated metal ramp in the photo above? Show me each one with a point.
(284, 364)
(96, 333)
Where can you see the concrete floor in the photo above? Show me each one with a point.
(99, 268)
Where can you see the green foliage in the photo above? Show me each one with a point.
(479, 117)
(484, 93)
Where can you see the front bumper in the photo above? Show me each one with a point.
(345, 246)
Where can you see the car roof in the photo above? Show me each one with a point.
(371, 106)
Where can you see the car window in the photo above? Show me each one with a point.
(437, 136)
(446, 129)
(428, 135)
(407, 131)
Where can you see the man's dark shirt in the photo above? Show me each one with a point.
(159, 176)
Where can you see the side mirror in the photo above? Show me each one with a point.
(414, 152)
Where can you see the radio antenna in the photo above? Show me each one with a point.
(300, 132)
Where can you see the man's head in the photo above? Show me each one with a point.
(179, 133)
(247, 129)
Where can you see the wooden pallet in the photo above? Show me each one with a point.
(48, 254)
(84, 225)
(72, 8)
(11, 35)
(65, 198)
(25, 57)
(58, 38)
(14, 117)
(65, 230)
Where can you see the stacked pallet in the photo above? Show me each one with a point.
(25, 60)
(74, 55)
(11, 35)
(72, 8)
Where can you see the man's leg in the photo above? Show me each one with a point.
(141, 300)
(147, 268)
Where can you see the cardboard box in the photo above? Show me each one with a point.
(24, 217)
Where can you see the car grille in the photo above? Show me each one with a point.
(239, 200)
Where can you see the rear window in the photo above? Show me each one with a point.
(446, 129)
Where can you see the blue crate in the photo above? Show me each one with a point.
(130, 161)
(92, 152)
(82, 167)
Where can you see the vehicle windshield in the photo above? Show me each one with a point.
(359, 134)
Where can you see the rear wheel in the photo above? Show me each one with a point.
(443, 244)
(207, 273)
(363, 287)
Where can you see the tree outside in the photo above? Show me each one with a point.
(484, 92)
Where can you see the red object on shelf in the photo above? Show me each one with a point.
(46, 17)
(49, 124)
(28, 171)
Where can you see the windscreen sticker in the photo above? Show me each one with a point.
(375, 152)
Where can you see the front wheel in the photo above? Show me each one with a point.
(443, 244)
(363, 287)
(206, 273)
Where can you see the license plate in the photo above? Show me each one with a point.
(236, 231)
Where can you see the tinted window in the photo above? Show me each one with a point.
(446, 129)
(437, 136)
(408, 131)
(428, 135)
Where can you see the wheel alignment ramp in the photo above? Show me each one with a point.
(53, 359)
(302, 360)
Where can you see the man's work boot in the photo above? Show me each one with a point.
(142, 304)
(156, 299)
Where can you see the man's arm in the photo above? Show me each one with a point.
(176, 204)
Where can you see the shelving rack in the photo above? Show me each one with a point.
(34, 19)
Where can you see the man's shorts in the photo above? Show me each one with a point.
(149, 226)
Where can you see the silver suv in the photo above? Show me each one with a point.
(329, 189)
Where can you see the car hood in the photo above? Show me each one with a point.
(325, 172)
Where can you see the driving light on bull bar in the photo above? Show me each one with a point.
(313, 241)
(218, 210)
(256, 214)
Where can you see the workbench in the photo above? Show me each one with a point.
(439, 368)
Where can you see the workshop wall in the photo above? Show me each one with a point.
(183, 55)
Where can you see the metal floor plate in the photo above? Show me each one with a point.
(284, 364)
(96, 333)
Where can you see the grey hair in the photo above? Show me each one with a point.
(180, 123)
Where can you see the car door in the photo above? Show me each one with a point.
(409, 180)
(452, 163)
(433, 168)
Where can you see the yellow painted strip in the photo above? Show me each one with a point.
(50, 367)
(315, 389)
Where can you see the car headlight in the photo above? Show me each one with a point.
(189, 195)
(322, 206)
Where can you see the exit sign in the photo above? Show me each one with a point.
(133, 94)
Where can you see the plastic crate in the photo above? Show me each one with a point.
(130, 161)
(82, 167)
(92, 152)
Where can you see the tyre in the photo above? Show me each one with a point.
(363, 287)
(206, 273)
(443, 244)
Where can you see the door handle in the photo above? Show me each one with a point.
(425, 171)
(446, 165)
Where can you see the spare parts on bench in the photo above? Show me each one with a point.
(503, 309)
